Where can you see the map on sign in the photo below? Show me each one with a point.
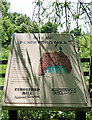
(44, 71)
(54, 62)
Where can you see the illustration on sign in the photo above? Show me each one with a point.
(54, 62)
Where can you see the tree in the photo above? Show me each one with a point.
(7, 30)
(33, 27)
(61, 13)
(23, 28)
(4, 5)
(21, 23)
(49, 28)
(19, 20)
(12, 23)
(76, 31)
(7, 27)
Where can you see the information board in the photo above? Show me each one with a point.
(44, 72)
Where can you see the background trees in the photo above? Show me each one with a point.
(49, 28)
(7, 30)
(48, 17)
(19, 23)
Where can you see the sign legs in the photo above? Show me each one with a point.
(12, 114)
(80, 116)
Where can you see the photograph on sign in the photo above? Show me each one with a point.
(44, 71)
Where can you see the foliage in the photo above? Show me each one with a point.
(4, 7)
(7, 30)
(46, 115)
(22, 19)
(19, 20)
(12, 23)
(49, 28)
(83, 43)
(62, 14)
(4, 53)
(76, 31)
(19, 23)
(33, 27)
(23, 28)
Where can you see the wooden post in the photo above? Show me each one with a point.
(80, 116)
(12, 114)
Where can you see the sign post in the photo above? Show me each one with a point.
(44, 73)
(80, 116)
(13, 115)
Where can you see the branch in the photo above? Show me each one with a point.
(86, 12)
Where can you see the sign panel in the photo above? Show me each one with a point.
(44, 72)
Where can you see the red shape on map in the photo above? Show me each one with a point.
(53, 59)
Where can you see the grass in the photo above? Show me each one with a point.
(4, 53)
